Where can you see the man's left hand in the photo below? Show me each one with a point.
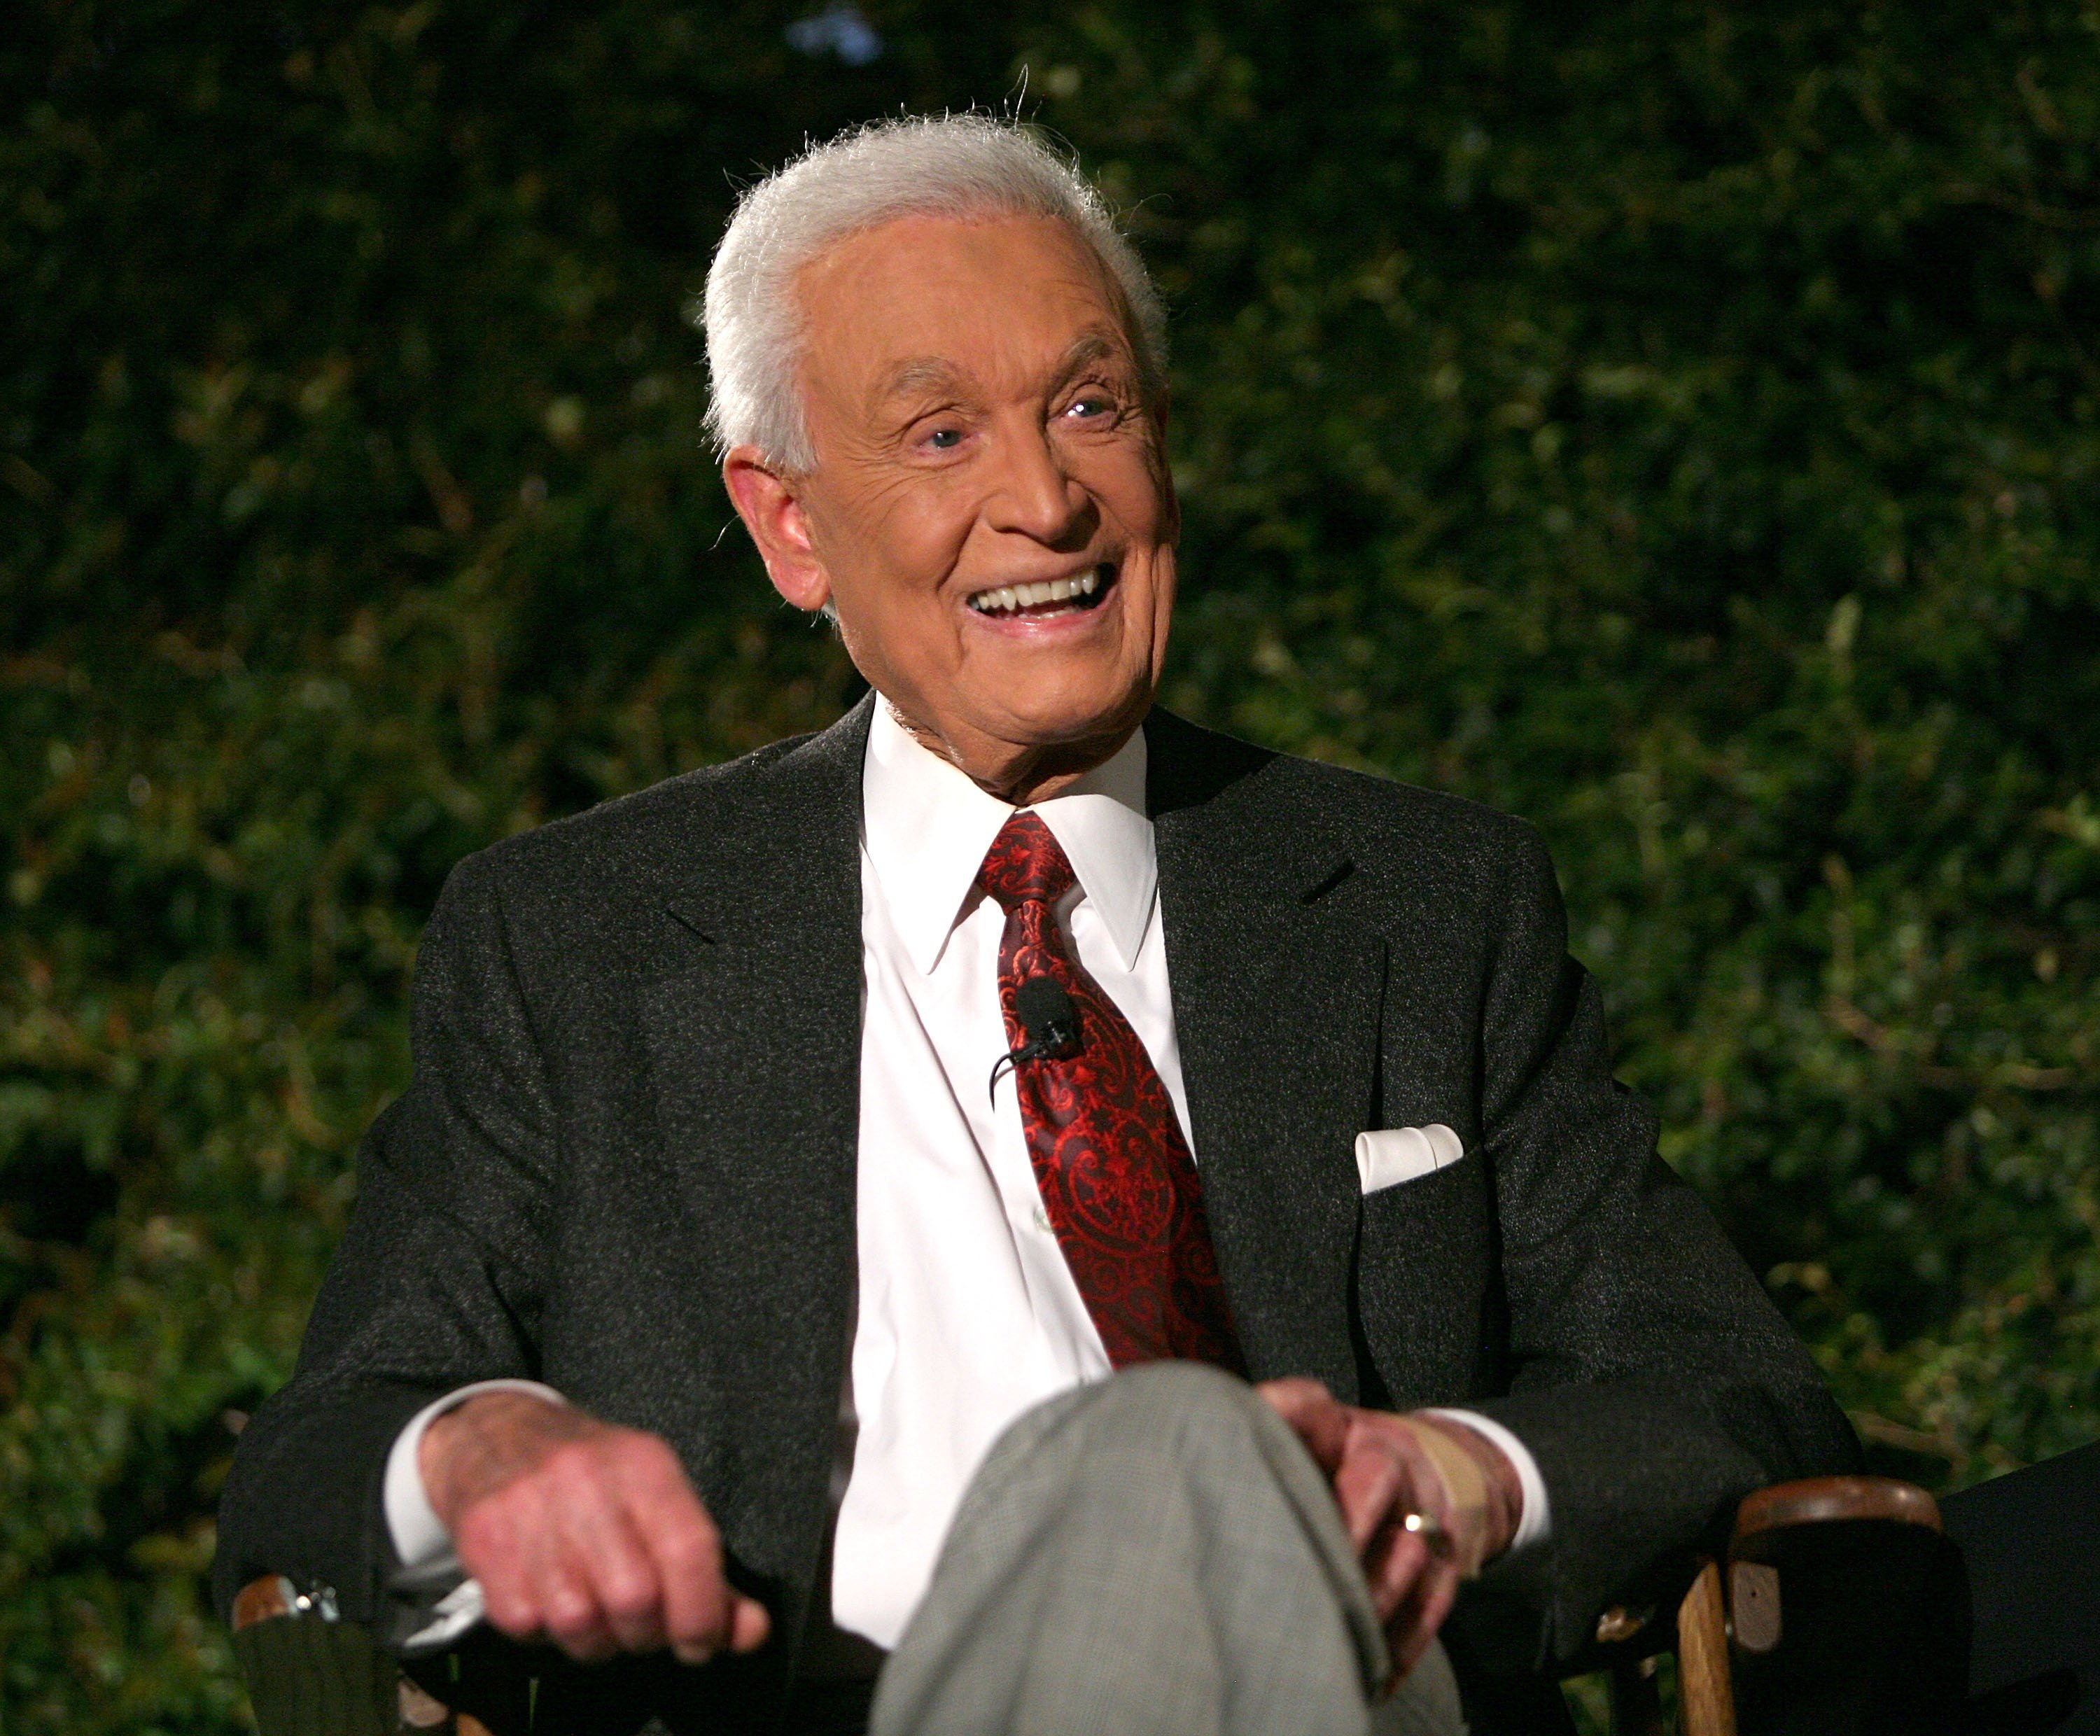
(1381, 1474)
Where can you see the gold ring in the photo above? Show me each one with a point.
(1437, 1539)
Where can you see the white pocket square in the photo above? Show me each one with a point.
(1393, 1154)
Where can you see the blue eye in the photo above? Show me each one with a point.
(945, 439)
(1090, 407)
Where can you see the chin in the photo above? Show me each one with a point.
(1068, 716)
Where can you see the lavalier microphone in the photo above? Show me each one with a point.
(1049, 1023)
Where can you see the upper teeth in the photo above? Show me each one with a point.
(1028, 596)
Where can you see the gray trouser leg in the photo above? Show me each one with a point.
(1153, 1555)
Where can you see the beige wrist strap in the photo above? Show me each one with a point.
(1465, 1490)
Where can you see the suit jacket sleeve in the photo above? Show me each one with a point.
(438, 1280)
(1651, 1377)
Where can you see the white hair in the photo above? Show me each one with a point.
(964, 165)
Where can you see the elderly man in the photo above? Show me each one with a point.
(1016, 1206)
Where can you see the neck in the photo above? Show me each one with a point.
(1024, 776)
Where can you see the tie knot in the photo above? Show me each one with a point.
(1025, 864)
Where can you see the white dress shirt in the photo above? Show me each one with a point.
(968, 1314)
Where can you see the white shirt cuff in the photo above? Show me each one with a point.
(420, 1537)
(1534, 1524)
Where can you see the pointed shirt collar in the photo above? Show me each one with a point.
(926, 828)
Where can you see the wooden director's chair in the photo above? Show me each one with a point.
(1840, 1611)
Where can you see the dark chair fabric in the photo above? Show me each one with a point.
(308, 1677)
(2031, 1541)
(1874, 1637)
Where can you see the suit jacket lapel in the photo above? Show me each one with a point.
(755, 1041)
(1277, 1007)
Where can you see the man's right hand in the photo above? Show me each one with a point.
(581, 1533)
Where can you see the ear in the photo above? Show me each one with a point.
(773, 513)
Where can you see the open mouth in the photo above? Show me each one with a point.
(1047, 597)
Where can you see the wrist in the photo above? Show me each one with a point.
(475, 1448)
(1502, 1506)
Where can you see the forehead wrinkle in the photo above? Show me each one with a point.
(934, 374)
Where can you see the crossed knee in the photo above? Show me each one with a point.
(1157, 1406)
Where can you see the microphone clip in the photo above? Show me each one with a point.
(1047, 1019)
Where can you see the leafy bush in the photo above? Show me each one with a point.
(1675, 423)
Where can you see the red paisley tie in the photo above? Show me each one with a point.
(1116, 1177)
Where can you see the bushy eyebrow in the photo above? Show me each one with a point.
(1087, 350)
(922, 374)
(932, 374)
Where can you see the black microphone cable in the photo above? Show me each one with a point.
(1049, 1022)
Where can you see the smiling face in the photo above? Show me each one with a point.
(989, 513)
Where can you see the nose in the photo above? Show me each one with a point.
(1033, 496)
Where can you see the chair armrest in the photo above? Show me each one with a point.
(1816, 1500)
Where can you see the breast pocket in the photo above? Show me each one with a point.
(1389, 1156)
(1425, 1267)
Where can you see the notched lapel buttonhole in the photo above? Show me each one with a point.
(1331, 877)
(1393, 1154)
(689, 920)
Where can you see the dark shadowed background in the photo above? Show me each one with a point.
(1674, 422)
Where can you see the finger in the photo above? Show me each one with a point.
(570, 1620)
(579, 1548)
(697, 1600)
(1314, 1416)
(702, 1611)
(625, 1582)
(1293, 1392)
(505, 1542)
(491, 1554)
(1395, 1561)
(569, 1613)
(749, 1625)
(602, 1583)
(1414, 1586)
(1415, 1623)
(1373, 1487)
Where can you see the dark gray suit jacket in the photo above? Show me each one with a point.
(626, 1167)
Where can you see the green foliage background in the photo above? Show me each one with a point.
(1674, 422)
